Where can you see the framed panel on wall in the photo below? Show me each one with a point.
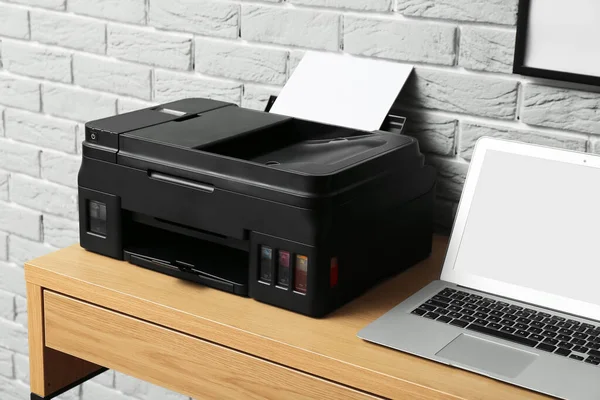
(559, 39)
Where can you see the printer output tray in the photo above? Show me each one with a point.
(198, 261)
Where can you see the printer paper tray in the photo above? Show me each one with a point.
(211, 264)
(194, 276)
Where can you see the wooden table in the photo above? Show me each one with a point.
(87, 312)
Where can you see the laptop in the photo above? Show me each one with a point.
(519, 295)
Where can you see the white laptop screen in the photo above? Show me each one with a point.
(535, 223)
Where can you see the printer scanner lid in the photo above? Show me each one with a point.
(241, 146)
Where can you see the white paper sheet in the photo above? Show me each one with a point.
(342, 90)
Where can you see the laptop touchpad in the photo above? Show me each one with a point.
(483, 355)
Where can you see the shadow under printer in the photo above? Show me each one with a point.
(301, 215)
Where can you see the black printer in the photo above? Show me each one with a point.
(293, 213)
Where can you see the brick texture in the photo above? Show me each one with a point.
(470, 132)
(14, 21)
(133, 11)
(37, 61)
(19, 92)
(400, 40)
(149, 47)
(110, 75)
(77, 104)
(305, 28)
(65, 62)
(561, 108)
(4, 176)
(204, 17)
(238, 60)
(20, 221)
(71, 31)
(41, 130)
(455, 92)
(487, 49)
(495, 11)
(171, 86)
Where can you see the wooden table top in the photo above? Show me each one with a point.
(326, 347)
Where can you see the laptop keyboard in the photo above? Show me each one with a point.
(544, 331)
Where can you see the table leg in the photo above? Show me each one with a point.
(51, 372)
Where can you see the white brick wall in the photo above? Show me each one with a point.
(63, 63)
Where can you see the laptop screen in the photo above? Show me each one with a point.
(535, 223)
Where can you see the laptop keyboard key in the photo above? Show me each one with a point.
(521, 326)
(578, 342)
(593, 361)
(468, 318)
(563, 337)
(492, 318)
(453, 308)
(444, 319)
(534, 330)
(576, 357)
(539, 338)
(436, 303)
(551, 341)
(546, 347)
(537, 324)
(419, 311)
(521, 333)
(580, 349)
(592, 345)
(594, 353)
(466, 311)
(507, 329)
(494, 326)
(565, 345)
(565, 331)
(427, 307)
(454, 314)
(459, 323)
(552, 328)
(480, 321)
(548, 334)
(480, 314)
(543, 314)
(431, 315)
(562, 352)
(443, 299)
